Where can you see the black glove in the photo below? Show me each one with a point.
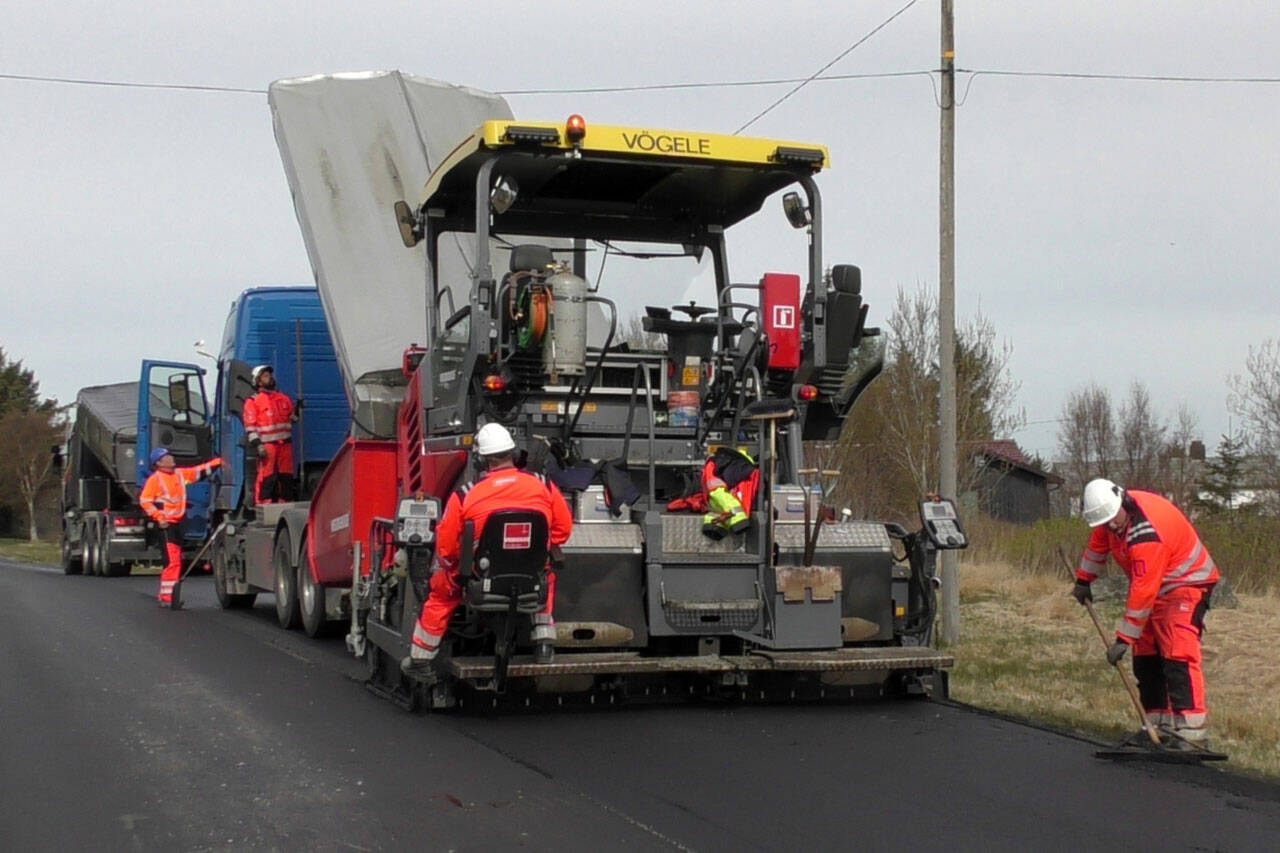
(297, 406)
(1117, 651)
(1082, 592)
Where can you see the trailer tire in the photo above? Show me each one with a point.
(311, 601)
(89, 545)
(102, 550)
(227, 600)
(70, 565)
(286, 584)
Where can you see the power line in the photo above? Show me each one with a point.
(186, 87)
(815, 74)
(722, 84)
(725, 84)
(1151, 78)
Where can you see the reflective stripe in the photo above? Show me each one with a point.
(1185, 573)
(543, 632)
(1193, 720)
(279, 434)
(543, 619)
(423, 638)
(1138, 614)
(417, 652)
(1127, 629)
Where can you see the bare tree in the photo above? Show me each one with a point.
(633, 333)
(26, 459)
(1181, 472)
(1255, 397)
(1141, 439)
(1087, 437)
(891, 441)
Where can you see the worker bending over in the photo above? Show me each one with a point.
(269, 416)
(164, 499)
(1171, 577)
(502, 486)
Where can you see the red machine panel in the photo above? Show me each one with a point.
(358, 485)
(780, 316)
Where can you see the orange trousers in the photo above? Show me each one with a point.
(173, 563)
(1166, 657)
(446, 595)
(274, 482)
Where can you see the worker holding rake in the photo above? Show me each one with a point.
(1171, 577)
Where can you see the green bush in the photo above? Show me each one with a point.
(1032, 548)
(1243, 545)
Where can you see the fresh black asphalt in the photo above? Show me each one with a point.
(128, 727)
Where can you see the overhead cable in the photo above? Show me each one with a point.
(815, 74)
(187, 87)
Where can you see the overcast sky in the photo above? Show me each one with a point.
(1111, 230)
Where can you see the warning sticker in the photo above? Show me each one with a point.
(689, 375)
(517, 536)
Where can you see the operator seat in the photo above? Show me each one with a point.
(530, 256)
(846, 313)
(507, 569)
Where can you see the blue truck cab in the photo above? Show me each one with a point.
(284, 327)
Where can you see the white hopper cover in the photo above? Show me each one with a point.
(353, 145)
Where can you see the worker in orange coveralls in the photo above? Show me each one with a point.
(501, 487)
(164, 499)
(1171, 577)
(269, 417)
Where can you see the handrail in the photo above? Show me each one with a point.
(595, 372)
(626, 442)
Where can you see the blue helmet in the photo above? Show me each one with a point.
(158, 454)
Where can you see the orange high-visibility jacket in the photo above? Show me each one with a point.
(506, 488)
(268, 416)
(1159, 551)
(164, 495)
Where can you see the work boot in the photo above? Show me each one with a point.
(420, 663)
(544, 651)
(713, 526)
(175, 601)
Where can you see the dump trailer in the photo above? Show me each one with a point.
(284, 327)
(104, 531)
(567, 231)
(374, 304)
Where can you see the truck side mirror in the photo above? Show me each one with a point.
(239, 385)
(179, 396)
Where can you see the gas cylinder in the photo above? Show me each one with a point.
(564, 348)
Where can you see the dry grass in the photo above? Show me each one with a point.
(1028, 649)
(30, 552)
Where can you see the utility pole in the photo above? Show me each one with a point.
(947, 316)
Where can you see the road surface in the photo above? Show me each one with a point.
(128, 727)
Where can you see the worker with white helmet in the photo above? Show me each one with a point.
(501, 486)
(269, 416)
(1171, 577)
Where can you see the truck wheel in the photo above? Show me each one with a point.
(311, 598)
(89, 543)
(70, 565)
(286, 584)
(227, 600)
(102, 550)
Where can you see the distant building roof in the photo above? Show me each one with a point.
(1006, 450)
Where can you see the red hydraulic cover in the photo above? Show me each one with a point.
(780, 310)
(358, 485)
